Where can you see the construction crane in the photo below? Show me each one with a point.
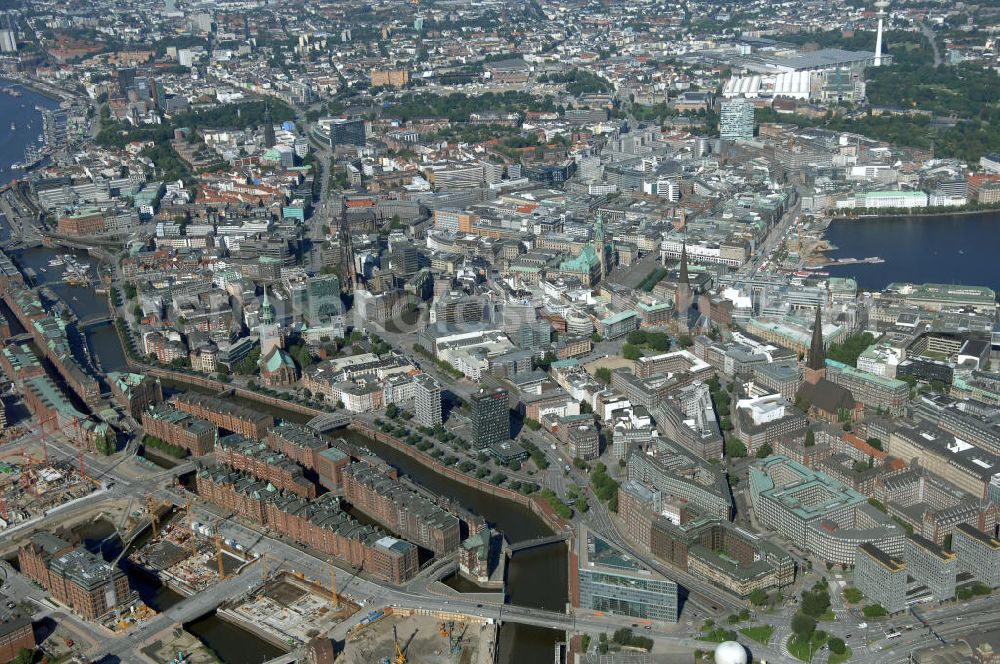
(194, 535)
(399, 657)
(454, 638)
(333, 587)
(154, 520)
(218, 555)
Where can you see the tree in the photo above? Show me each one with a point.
(726, 424)
(758, 598)
(604, 375)
(875, 442)
(803, 625)
(765, 451)
(24, 656)
(874, 611)
(815, 602)
(392, 410)
(837, 646)
(810, 438)
(736, 449)
(630, 352)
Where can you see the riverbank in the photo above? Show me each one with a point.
(37, 86)
(958, 212)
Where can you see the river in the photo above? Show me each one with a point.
(19, 111)
(959, 249)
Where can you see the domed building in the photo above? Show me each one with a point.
(730, 652)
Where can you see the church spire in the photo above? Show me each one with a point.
(817, 356)
(267, 313)
(685, 279)
(269, 138)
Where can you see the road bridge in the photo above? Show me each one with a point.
(184, 611)
(94, 320)
(328, 422)
(539, 541)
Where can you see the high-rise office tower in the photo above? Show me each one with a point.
(490, 417)
(736, 120)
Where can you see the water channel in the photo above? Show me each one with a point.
(536, 578)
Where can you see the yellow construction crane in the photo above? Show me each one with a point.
(194, 535)
(218, 555)
(333, 587)
(400, 658)
(151, 510)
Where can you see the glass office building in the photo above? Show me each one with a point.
(614, 583)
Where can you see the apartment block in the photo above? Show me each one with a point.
(400, 509)
(176, 427)
(225, 415)
(257, 459)
(83, 581)
(320, 524)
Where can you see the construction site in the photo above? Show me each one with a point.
(289, 611)
(398, 636)
(186, 556)
(32, 483)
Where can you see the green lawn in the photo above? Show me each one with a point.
(761, 634)
(853, 595)
(801, 650)
(828, 616)
(718, 635)
(837, 659)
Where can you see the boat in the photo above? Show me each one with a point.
(13, 127)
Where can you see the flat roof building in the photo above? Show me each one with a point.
(978, 554)
(931, 566)
(881, 577)
(817, 512)
(613, 582)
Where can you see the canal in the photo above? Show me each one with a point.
(535, 578)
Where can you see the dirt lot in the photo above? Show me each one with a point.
(611, 363)
(421, 640)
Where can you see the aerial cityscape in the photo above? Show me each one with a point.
(499, 332)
